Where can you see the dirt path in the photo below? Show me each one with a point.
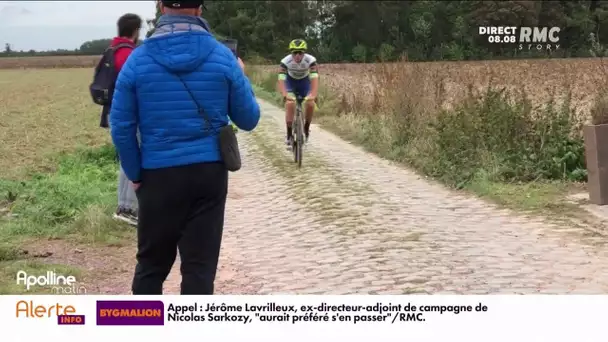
(350, 222)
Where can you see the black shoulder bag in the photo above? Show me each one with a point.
(229, 146)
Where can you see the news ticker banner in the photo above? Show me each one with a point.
(300, 318)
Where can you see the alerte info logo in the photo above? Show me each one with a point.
(522, 37)
(130, 312)
(66, 314)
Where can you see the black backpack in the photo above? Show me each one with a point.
(105, 76)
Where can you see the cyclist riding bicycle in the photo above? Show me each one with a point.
(298, 75)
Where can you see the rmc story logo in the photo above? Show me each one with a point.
(59, 284)
(526, 38)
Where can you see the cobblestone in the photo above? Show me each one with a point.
(350, 222)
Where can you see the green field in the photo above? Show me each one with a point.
(58, 180)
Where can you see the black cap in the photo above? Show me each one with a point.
(177, 4)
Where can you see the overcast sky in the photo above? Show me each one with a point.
(50, 25)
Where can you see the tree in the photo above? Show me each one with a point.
(95, 47)
(424, 30)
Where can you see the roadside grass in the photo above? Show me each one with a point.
(493, 143)
(58, 172)
(72, 202)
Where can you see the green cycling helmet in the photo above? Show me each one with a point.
(298, 44)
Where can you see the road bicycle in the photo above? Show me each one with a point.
(297, 135)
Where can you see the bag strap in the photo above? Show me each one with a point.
(200, 109)
(122, 45)
(113, 50)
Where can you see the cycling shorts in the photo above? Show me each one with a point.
(298, 87)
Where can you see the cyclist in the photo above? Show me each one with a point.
(298, 75)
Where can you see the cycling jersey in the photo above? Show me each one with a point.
(301, 70)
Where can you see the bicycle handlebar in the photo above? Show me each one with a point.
(299, 98)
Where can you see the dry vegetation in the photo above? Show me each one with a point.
(355, 83)
(45, 112)
(539, 78)
(48, 62)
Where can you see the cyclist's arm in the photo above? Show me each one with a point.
(314, 79)
(281, 81)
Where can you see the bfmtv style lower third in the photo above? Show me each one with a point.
(302, 318)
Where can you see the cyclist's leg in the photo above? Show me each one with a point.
(309, 106)
(290, 107)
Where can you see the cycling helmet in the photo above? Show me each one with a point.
(298, 44)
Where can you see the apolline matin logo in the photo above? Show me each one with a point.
(526, 38)
(59, 284)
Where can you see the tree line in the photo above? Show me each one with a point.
(368, 31)
(91, 47)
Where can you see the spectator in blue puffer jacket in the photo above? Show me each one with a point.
(178, 175)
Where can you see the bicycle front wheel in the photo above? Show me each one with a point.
(299, 139)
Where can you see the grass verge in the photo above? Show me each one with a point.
(72, 203)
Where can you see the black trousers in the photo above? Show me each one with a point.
(180, 207)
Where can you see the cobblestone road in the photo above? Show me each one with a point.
(350, 222)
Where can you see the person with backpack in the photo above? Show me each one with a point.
(102, 90)
(179, 89)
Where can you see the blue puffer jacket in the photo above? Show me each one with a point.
(148, 97)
